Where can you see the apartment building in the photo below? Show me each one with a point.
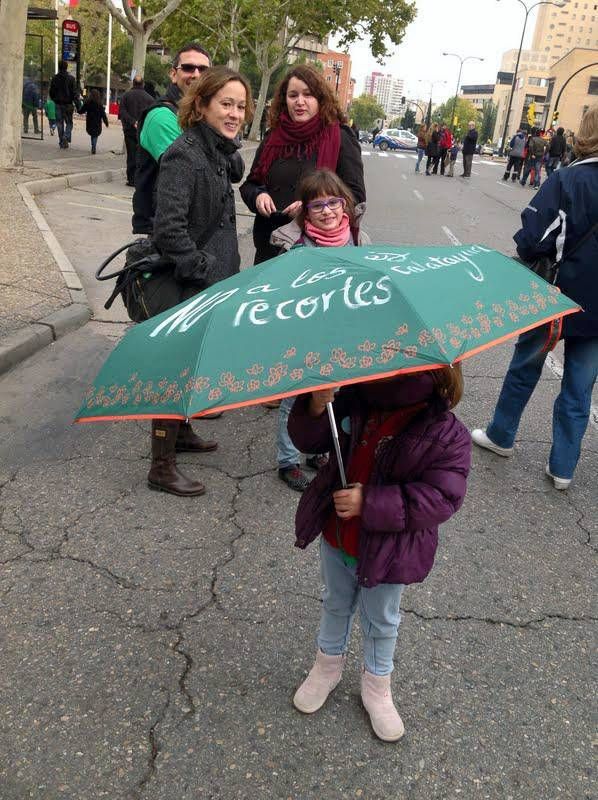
(559, 30)
(337, 71)
(388, 91)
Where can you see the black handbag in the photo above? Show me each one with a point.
(146, 283)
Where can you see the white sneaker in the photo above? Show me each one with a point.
(479, 437)
(559, 483)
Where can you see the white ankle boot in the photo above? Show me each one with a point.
(323, 677)
(377, 700)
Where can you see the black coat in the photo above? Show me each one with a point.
(433, 148)
(132, 105)
(282, 183)
(94, 114)
(470, 142)
(194, 223)
(63, 89)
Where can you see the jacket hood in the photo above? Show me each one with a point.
(391, 394)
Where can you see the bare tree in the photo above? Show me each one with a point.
(13, 21)
(141, 30)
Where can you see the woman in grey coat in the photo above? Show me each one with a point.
(195, 229)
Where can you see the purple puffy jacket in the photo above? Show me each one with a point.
(419, 481)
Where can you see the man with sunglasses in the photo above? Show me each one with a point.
(158, 127)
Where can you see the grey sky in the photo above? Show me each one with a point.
(483, 28)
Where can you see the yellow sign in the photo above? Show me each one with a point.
(455, 120)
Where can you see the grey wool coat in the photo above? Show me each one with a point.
(195, 224)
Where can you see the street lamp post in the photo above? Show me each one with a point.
(461, 62)
(527, 12)
(336, 68)
(432, 84)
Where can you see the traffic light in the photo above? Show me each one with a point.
(403, 101)
(555, 117)
(531, 114)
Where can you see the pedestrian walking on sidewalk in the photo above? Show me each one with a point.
(469, 147)
(561, 222)
(195, 230)
(408, 458)
(94, 116)
(328, 218)
(516, 156)
(50, 109)
(132, 105)
(65, 94)
(30, 104)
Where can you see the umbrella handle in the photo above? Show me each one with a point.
(337, 446)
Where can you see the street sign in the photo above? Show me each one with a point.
(71, 46)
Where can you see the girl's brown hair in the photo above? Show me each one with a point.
(321, 183)
(329, 108)
(586, 141)
(449, 383)
(209, 83)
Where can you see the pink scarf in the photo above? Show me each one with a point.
(337, 238)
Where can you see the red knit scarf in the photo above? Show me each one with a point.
(299, 140)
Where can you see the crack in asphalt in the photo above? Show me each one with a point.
(491, 621)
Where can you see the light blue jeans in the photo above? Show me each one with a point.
(571, 410)
(378, 612)
(287, 454)
(420, 154)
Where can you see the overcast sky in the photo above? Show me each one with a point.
(483, 28)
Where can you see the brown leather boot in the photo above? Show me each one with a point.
(164, 475)
(187, 441)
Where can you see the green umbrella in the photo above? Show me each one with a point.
(318, 317)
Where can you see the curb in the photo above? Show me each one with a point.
(28, 340)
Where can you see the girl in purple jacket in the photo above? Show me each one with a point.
(407, 458)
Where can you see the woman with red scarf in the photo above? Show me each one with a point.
(306, 133)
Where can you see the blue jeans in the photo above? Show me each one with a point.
(64, 120)
(378, 611)
(571, 408)
(531, 163)
(553, 163)
(94, 142)
(287, 454)
(420, 154)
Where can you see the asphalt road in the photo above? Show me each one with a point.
(151, 644)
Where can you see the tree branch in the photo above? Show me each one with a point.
(154, 22)
(127, 20)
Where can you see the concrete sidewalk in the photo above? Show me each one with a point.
(42, 295)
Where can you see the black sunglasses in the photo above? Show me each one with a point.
(190, 68)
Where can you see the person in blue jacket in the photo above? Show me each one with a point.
(561, 219)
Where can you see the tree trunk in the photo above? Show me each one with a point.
(261, 100)
(234, 61)
(13, 21)
(140, 41)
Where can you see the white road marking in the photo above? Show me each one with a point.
(557, 368)
(503, 183)
(450, 235)
(383, 155)
(474, 172)
(403, 176)
(101, 208)
(419, 195)
(399, 155)
(366, 152)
